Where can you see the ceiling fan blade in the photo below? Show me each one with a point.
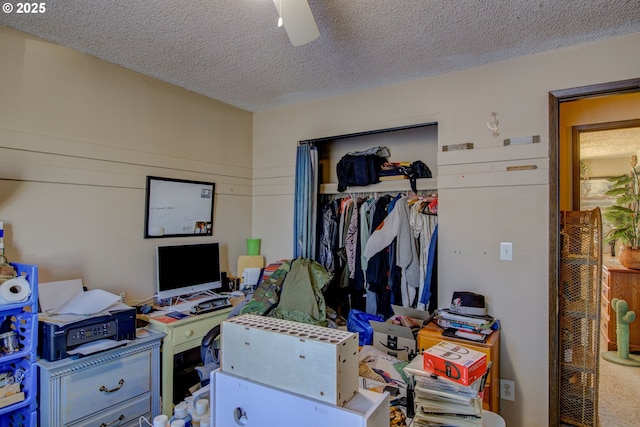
(298, 21)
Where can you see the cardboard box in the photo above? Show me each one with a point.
(397, 340)
(455, 362)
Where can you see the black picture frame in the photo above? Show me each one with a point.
(178, 208)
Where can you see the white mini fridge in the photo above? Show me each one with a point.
(238, 401)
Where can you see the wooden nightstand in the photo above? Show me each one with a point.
(431, 334)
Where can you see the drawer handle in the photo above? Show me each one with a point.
(188, 333)
(106, 390)
(120, 418)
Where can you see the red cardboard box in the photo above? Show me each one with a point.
(455, 362)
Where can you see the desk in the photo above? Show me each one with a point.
(431, 335)
(181, 335)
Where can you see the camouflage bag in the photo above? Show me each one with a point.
(267, 295)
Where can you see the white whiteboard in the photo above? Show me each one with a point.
(178, 208)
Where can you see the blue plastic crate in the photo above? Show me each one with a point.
(23, 417)
(25, 325)
(24, 321)
(31, 272)
(29, 384)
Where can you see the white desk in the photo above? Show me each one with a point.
(181, 335)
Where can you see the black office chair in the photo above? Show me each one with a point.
(210, 347)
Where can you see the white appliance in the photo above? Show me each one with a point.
(241, 402)
(250, 278)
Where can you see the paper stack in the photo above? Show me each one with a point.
(466, 326)
(441, 402)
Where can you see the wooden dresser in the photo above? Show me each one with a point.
(622, 283)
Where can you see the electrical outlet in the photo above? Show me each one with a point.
(507, 390)
(122, 296)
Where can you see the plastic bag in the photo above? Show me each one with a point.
(358, 321)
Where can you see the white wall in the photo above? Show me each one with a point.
(78, 136)
(476, 211)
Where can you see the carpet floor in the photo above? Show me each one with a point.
(618, 395)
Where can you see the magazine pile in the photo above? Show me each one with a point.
(439, 401)
(466, 326)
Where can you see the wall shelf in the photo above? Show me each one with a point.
(422, 184)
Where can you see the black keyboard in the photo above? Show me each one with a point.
(209, 305)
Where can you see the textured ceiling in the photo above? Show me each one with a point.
(233, 51)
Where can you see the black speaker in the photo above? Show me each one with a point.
(225, 282)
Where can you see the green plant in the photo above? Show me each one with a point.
(625, 214)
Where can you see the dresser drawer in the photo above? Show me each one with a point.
(606, 289)
(105, 385)
(604, 307)
(605, 326)
(126, 414)
(191, 332)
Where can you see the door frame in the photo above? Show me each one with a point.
(555, 98)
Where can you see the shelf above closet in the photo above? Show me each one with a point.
(424, 184)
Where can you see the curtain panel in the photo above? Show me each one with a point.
(305, 205)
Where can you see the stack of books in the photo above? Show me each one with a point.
(466, 326)
(439, 401)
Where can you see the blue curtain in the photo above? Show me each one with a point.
(305, 209)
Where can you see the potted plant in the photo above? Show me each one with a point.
(624, 216)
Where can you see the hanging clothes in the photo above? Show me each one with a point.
(423, 222)
(328, 235)
(377, 274)
(381, 251)
(397, 226)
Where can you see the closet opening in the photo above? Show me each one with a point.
(355, 283)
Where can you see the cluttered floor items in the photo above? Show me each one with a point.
(443, 384)
(269, 364)
(451, 399)
(374, 374)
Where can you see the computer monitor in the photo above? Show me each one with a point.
(187, 269)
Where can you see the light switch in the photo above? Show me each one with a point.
(506, 251)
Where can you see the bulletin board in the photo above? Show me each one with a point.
(178, 208)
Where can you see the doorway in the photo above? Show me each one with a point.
(601, 151)
(561, 198)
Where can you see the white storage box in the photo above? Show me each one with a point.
(239, 401)
(317, 362)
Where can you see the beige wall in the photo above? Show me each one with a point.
(78, 136)
(480, 204)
